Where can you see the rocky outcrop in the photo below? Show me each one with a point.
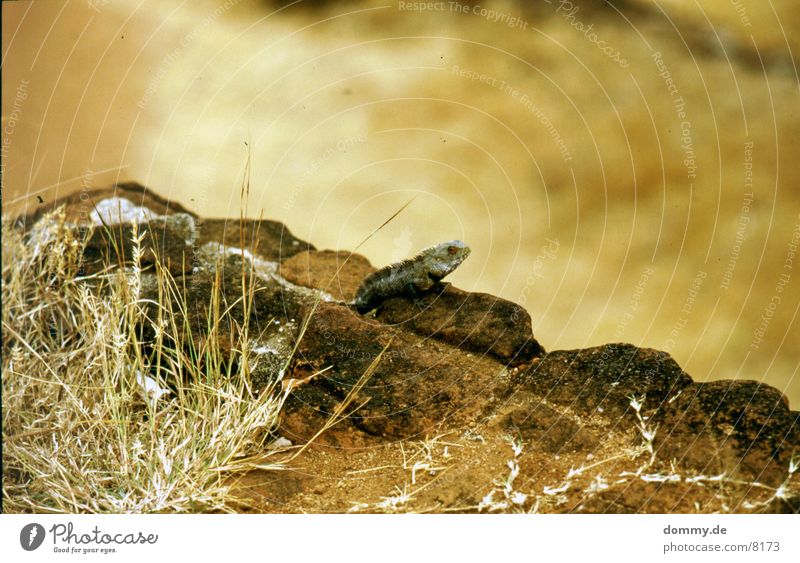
(742, 428)
(458, 364)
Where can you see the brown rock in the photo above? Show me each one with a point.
(338, 273)
(270, 240)
(743, 429)
(639, 497)
(418, 386)
(528, 417)
(80, 204)
(113, 246)
(478, 322)
(602, 379)
(455, 364)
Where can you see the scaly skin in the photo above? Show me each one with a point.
(410, 276)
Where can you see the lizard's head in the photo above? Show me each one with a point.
(446, 257)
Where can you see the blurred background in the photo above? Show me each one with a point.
(626, 170)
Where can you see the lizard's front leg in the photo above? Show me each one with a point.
(416, 289)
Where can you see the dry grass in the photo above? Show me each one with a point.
(93, 421)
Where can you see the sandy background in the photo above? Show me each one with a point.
(619, 194)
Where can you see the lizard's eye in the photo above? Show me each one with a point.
(452, 249)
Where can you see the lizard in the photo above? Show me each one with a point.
(410, 276)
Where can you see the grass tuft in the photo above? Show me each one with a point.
(97, 416)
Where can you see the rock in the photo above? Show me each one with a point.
(743, 429)
(643, 497)
(456, 370)
(601, 380)
(542, 426)
(274, 313)
(418, 386)
(338, 273)
(167, 241)
(116, 210)
(81, 205)
(478, 322)
(270, 240)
